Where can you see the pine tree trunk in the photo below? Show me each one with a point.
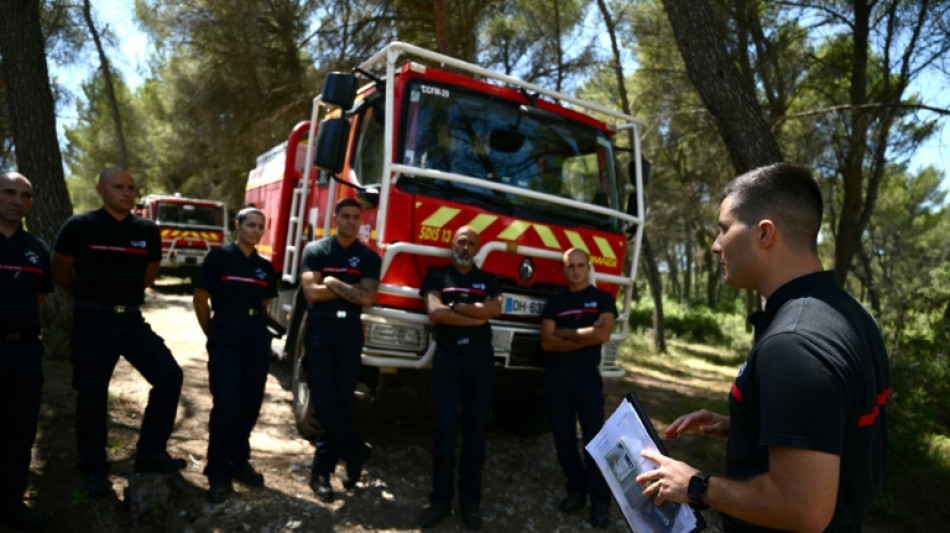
(652, 271)
(33, 116)
(109, 85)
(716, 78)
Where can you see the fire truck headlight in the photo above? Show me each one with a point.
(395, 336)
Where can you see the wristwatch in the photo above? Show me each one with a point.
(451, 305)
(696, 490)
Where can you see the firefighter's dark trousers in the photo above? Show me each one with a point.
(332, 366)
(575, 392)
(238, 359)
(462, 376)
(21, 385)
(98, 338)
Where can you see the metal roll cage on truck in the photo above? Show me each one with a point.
(427, 147)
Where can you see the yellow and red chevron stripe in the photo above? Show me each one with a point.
(210, 236)
(439, 222)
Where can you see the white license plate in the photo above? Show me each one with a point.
(520, 305)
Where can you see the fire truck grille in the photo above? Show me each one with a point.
(526, 351)
(539, 290)
(190, 244)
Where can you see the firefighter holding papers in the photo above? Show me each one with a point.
(339, 276)
(574, 324)
(806, 433)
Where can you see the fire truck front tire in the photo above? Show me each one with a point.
(307, 423)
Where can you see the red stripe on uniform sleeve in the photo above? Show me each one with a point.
(736, 393)
(869, 418)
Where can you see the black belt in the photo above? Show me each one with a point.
(19, 337)
(118, 309)
(236, 312)
(336, 315)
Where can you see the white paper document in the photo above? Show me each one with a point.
(616, 450)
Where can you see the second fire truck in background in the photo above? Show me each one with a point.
(190, 228)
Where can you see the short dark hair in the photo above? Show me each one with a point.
(786, 193)
(346, 202)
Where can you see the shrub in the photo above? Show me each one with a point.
(695, 323)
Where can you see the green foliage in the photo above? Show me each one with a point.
(698, 326)
(93, 145)
(543, 42)
(230, 80)
(920, 366)
(695, 322)
(904, 274)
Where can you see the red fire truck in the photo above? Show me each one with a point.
(190, 228)
(427, 146)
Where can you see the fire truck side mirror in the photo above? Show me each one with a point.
(646, 166)
(369, 196)
(330, 150)
(632, 208)
(339, 89)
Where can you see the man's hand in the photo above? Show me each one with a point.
(702, 421)
(669, 481)
(797, 493)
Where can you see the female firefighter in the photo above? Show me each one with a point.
(239, 283)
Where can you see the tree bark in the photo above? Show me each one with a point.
(656, 290)
(32, 111)
(440, 19)
(652, 271)
(110, 88)
(716, 78)
(848, 232)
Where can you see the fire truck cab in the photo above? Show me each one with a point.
(190, 228)
(434, 144)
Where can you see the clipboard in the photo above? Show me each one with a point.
(616, 451)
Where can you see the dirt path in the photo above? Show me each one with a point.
(522, 481)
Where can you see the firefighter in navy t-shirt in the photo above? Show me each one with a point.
(460, 299)
(339, 276)
(106, 259)
(807, 426)
(239, 283)
(25, 280)
(574, 325)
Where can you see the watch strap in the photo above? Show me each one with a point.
(696, 490)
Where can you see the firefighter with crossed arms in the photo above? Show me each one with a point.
(460, 299)
(574, 325)
(339, 276)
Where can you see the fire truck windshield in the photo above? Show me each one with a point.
(178, 213)
(456, 130)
